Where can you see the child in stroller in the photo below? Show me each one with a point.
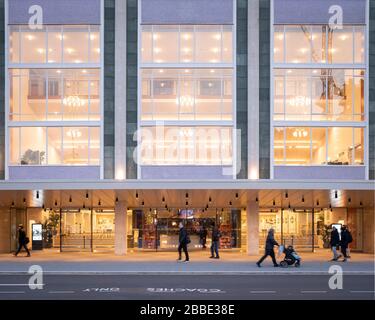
(291, 257)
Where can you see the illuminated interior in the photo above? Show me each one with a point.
(196, 87)
(186, 145)
(318, 146)
(319, 44)
(54, 94)
(187, 94)
(319, 94)
(54, 44)
(48, 82)
(54, 145)
(187, 44)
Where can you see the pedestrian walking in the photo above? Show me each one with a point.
(334, 243)
(203, 237)
(215, 242)
(351, 240)
(270, 243)
(184, 240)
(346, 238)
(23, 240)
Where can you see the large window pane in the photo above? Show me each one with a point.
(14, 44)
(278, 102)
(186, 145)
(340, 45)
(359, 44)
(94, 145)
(33, 146)
(278, 146)
(340, 94)
(359, 96)
(358, 146)
(33, 45)
(318, 42)
(54, 44)
(75, 94)
(76, 44)
(319, 150)
(208, 44)
(14, 146)
(14, 94)
(55, 155)
(55, 95)
(95, 44)
(318, 94)
(33, 94)
(187, 39)
(278, 44)
(165, 44)
(297, 146)
(187, 94)
(298, 45)
(298, 96)
(76, 145)
(340, 146)
(227, 44)
(146, 42)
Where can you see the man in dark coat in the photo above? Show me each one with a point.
(346, 238)
(22, 241)
(335, 242)
(215, 243)
(183, 239)
(203, 237)
(270, 243)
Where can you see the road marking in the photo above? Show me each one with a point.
(263, 291)
(313, 291)
(19, 285)
(61, 292)
(9, 292)
(363, 291)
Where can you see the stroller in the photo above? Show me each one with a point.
(291, 257)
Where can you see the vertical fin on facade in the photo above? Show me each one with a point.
(131, 87)
(109, 88)
(264, 89)
(241, 89)
(2, 90)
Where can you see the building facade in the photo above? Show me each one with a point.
(119, 119)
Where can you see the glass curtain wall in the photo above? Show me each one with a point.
(186, 78)
(54, 92)
(319, 76)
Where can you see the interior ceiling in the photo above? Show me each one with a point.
(195, 199)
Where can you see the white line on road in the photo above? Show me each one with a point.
(363, 291)
(263, 291)
(62, 292)
(9, 292)
(19, 285)
(312, 291)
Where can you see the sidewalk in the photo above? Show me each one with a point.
(141, 263)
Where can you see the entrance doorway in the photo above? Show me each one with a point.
(158, 230)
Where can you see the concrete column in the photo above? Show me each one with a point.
(121, 243)
(253, 90)
(120, 92)
(252, 219)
